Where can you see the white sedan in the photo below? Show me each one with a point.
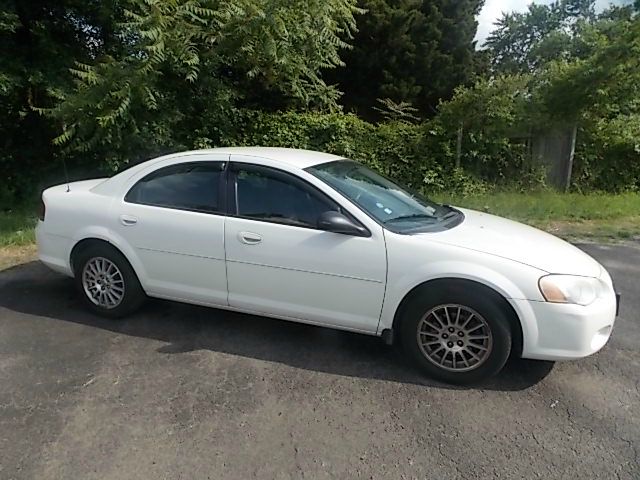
(315, 238)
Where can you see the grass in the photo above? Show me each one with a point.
(17, 236)
(17, 227)
(595, 216)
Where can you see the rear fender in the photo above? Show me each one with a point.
(107, 235)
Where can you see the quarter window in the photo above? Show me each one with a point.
(186, 186)
(278, 197)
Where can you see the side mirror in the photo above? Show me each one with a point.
(336, 222)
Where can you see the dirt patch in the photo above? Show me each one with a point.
(15, 255)
(619, 230)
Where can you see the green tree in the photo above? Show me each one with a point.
(601, 94)
(490, 116)
(522, 42)
(39, 41)
(188, 64)
(408, 51)
(595, 87)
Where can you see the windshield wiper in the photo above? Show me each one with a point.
(413, 216)
(451, 214)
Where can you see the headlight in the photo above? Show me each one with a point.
(569, 289)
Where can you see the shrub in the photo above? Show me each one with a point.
(417, 155)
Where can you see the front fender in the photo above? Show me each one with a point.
(401, 285)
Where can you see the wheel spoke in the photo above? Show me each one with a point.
(437, 350)
(467, 320)
(438, 319)
(464, 358)
(473, 354)
(444, 357)
(479, 347)
(474, 328)
(433, 325)
(429, 334)
(111, 298)
(446, 314)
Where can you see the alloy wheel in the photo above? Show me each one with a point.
(103, 282)
(454, 337)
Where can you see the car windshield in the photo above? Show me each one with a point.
(395, 207)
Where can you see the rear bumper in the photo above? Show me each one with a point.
(566, 332)
(54, 250)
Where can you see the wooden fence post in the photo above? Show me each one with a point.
(572, 149)
(459, 146)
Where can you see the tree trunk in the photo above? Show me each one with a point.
(459, 146)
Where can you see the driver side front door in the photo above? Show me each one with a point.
(280, 263)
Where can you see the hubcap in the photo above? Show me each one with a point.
(454, 337)
(103, 283)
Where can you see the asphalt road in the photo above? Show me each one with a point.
(182, 392)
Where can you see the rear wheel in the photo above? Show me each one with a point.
(106, 281)
(456, 332)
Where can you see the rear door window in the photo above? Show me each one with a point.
(193, 186)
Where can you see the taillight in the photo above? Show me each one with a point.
(41, 210)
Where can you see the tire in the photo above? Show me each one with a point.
(440, 349)
(122, 293)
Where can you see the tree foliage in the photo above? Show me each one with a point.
(521, 42)
(100, 83)
(39, 41)
(179, 52)
(411, 51)
(592, 82)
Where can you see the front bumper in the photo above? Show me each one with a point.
(565, 331)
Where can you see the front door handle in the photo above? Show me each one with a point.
(249, 238)
(128, 220)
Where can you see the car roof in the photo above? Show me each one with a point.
(292, 157)
(289, 157)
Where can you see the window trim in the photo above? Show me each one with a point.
(222, 187)
(232, 194)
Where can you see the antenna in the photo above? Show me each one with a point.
(66, 174)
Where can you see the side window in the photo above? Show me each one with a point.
(278, 197)
(186, 186)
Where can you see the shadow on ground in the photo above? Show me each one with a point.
(34, 290)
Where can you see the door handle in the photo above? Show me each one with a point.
(249, 238)
(128, 220)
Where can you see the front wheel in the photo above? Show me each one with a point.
(456, 333)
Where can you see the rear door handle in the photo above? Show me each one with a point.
(249, 238)
(128, 220)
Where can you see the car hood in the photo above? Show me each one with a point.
(512, 240)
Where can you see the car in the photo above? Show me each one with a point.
(316, 238)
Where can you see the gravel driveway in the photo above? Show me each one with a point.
(183, 392)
